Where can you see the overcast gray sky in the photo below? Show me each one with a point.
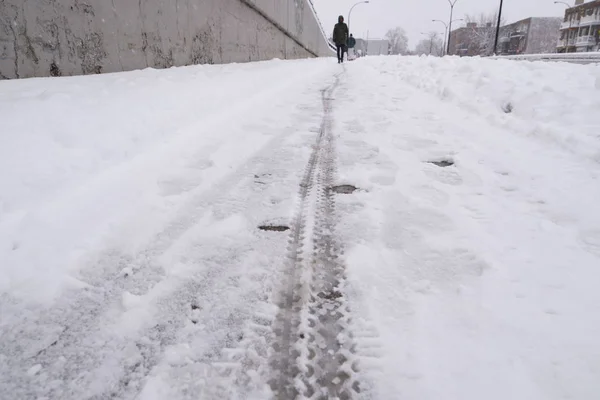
(415, 15)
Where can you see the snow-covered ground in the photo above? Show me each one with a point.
(131, 265)
(477, 280)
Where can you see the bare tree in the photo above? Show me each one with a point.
(544, 32)
(398, 40)
(482, 32)
(433, 45)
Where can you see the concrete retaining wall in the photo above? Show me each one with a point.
(74, 37)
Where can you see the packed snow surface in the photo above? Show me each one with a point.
(468, 258)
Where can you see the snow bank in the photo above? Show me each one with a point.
(474, 280)
(555, 102)
(79, 156)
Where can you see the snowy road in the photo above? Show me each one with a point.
(464, 266)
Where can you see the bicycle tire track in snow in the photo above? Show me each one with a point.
(82, 345)
(313, 350)
(82, 318)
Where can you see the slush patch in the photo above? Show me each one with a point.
(442, 163)
(344, 189)
(332, 295)
(274, 228)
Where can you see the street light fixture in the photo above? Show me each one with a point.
(446, 30)
(562, 2)
(452, 3)
(570, 24)
(352, 8)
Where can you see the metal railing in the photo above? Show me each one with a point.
(586, 40)
(569, 42)
(576, 58)
(589, 20)
(571, 24)
(312, 7)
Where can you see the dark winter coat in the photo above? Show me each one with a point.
(340, 34)
(351, 42)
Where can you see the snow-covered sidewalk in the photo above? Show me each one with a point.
(475, 280)
(463, 267)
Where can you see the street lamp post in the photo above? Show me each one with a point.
(498, 28)
(452, 3)
(570, 24)
(350, 12)
(446, 31)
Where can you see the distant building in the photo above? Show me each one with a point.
(528, 36)
(372, 47)
(471, 40)
(580, 30)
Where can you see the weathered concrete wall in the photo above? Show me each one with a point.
(74, 37)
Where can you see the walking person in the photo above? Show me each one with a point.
(351, 45)
(340, 38)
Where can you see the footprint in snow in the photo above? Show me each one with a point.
(591, 241)
(445, 175)
(431, 195)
